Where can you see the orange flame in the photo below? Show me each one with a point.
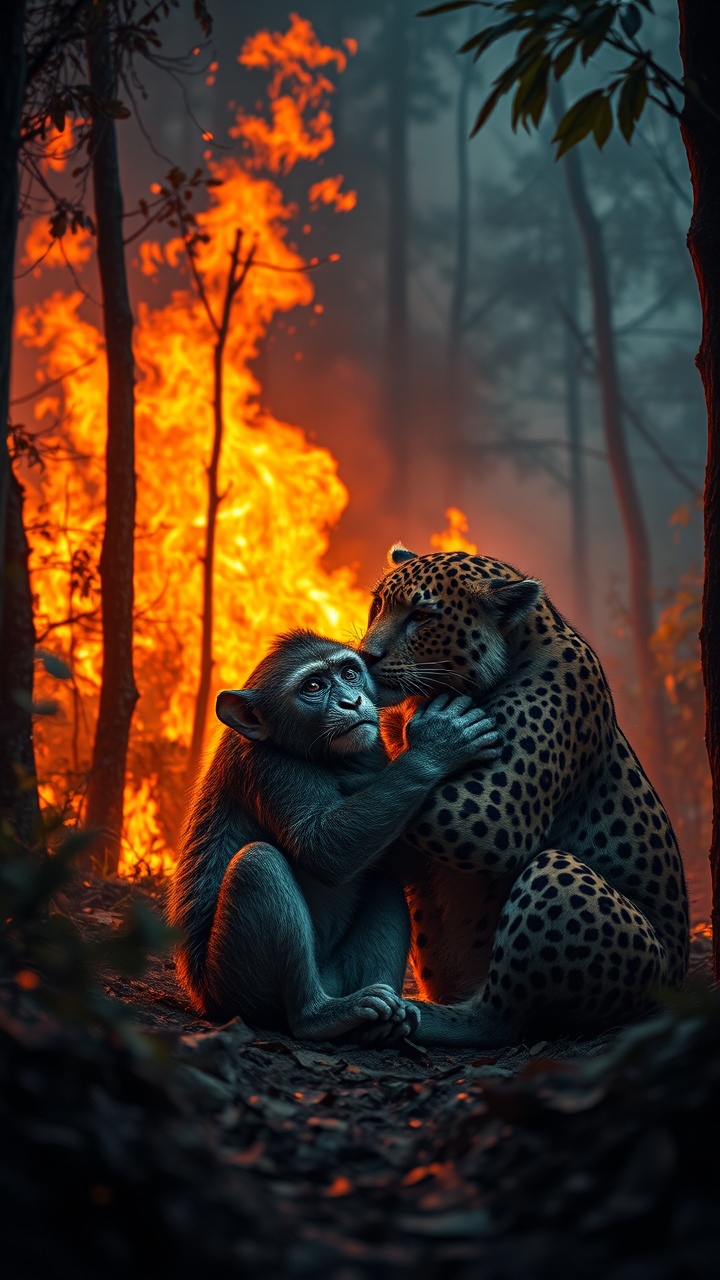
(453, 538)
(300, 125)
(281, 493)
(327, 191)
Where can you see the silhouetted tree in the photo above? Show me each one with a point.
(106, 38)
(118, 693)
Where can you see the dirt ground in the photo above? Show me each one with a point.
(261, 1156)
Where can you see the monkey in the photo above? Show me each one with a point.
(287, 920)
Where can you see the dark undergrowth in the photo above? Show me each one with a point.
(136, 1139)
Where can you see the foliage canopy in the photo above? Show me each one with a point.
(551, 36)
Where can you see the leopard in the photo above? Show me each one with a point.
(546, 889)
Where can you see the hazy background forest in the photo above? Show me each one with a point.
(445, 360)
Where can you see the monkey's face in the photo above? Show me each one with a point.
(310, 697)
(334, 706)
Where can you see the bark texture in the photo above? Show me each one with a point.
(18, 790)
(12, 82)
(118, 695)
(18, 787)
(700, 126)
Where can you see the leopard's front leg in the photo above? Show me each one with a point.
(453, 924)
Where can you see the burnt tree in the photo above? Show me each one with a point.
(118, 695)
(237, 273)
(18, 790)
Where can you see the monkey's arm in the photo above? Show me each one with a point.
(336, 837)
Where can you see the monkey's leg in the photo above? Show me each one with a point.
(375, 949)
(262, 957)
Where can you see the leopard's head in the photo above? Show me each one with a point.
(443, 621)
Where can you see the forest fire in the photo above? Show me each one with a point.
(279, 494)
(287, 1035)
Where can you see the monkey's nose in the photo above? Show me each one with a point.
(370, 658)
(347, 705)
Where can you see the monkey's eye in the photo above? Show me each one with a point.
(351, 673)
(313, 685)
(375, 608)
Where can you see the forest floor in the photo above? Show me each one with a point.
(255, 1155)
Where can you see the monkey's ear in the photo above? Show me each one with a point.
(397, 554)
(511, 602)
(235, 708)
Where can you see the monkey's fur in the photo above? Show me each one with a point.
(287, 921)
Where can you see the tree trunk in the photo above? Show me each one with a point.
(18, 786)
(700, 52)
(573, 416)
(626, 492)
(396, 314)
(12, 83)
(18, 789)
(458, 298)
(118, 693)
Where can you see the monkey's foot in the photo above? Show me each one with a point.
(375, 1006)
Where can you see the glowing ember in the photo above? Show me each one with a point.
(281, 494)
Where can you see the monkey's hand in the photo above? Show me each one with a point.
(382, 1035)
(334, 1017)
(451, 732)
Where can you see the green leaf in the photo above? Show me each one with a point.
(114, 108)
(563, 60)
(602, 127)
(631, 20)
(53, 665)
(578, 121)
(203, 17)
(599, 29)
(446, 8)
(532, 91)
(58, 224)
(482, 40)
(57, 115)
(633, 97)
(487, 108)
(46, 707)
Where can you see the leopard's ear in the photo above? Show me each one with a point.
(398, 554)
(511, 602)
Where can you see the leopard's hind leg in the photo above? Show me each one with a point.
(570, 953)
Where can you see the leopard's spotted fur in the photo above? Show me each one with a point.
(551, 891)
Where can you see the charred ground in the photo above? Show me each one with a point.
(225, 1153)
